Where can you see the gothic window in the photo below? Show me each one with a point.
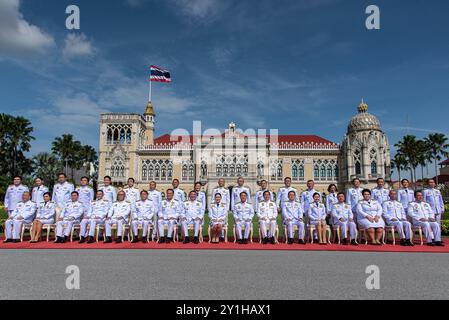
(203, 169)
(128, 136)
(144, 172)
(373, 161)
(232, 165)
(118, 168)
(158, 170)
(118, 133)
(316, 171)
(276, 170)
(219, 170)
(326, 170)
(184, 172)
(298, 169)
(245, 169)
(109, 136)
(357, 162)
(260, 167)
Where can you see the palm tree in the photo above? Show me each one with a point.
(409, 148)
(67, 149)
(46, 166)
(438, 145)
(399, 163)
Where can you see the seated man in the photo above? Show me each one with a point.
(370, 218)
(71, 213)
(192, 213)
(394, 215)
(293, 214)
(423, 216)
(343, 217)
(118, 215)
(143, 216)
(24, 212)
(317, 217)
(168, 216)
(96, 215)
(267, 213)
(243, 217)
(218, 214)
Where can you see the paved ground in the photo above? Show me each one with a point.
(190, 274)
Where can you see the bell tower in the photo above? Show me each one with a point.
(149, 116)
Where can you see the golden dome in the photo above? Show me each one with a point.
(363, 120)
(363, 107)
(149, 110)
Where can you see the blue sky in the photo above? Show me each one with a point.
(297, 66)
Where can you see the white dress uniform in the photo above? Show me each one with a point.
(343, 211)
(46, 212)
(331, 199)
(143, 216)
(201, 197)
(98, 211)
(316, 213)
(109, 193)
(156, 197)
(353, 197)
(218, 214)
(225, 197)
(61, 194)
(405, 196)
(132, 194)
(423, 210)
(168, 215)
(307, 198)
(395, 210)
(369, 208)
(70, 214)
(179, 195)
(37, 194)
(243, 216)
(236, 195)
(258, 197)
(118, 214)
(293, 214)
(380, 195)
(192, 213)
(13, 227)
(435, 199)
(267, 213)
(85, 196)
(13, 196)
(282, 195)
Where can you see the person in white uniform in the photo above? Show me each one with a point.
(86, 194)
(267, 213)
(37, 194)
(258, 197)
(225, 198)
(218, 213)
(331, 199)
(380, 193)
(14, 194)
(406, 194)
(145, 209)
(62, 192)
(433, 197)
(192, 214)
(23, 213)
(307, 197)
(394, 215)
(156, 197)
(132, 193)
(282, 195)
(370, 218)
(343, 217)
(293, 214)
(46, 213)
(317, 217)
(110, 193)
(98, 211)
(119, 215)
(354, 196)
(71, 213)
(200, 195)
(237, 190)
(168, 216)
(243, 217)
(423, 216)
(179, 194)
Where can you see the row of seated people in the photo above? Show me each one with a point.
(369, 217)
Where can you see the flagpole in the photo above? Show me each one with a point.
(149, 93)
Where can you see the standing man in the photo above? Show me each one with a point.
(86, 194)
(267, 213)
(343, 217)
(143, 216)
(24, 212)
(62, 192)
(307, 196)
(110, 193)
(354, 195)
(283, 192)
(132, 194)
(156, 197)
(200, 195)
(14, 194)
(70, 214)
(293, 214)
(243, 217)
(423, 216)
(98, 211)
(118, 214)
(37, 194)
(237, 190)
(193, 213)
(179, 194)
(433, 197)
(394, 215)
(406, 194)
(168, 216)
(380, 193)
(258, 197)
(223, 191)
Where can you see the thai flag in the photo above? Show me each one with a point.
(159, 75)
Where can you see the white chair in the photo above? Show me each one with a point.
(25, 226)
(191, 227)
(48, 227)
(75, 227)
(311, 228)
(175, 232)
(416, 229)
(149, 231)
(243, 229)
(276, 235)
(126, 227)
(391, 230)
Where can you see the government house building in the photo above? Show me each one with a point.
(128, 148)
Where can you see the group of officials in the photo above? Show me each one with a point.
(357, 210)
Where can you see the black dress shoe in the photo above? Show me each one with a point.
(144, 240)
(64, 239)
(196, 240)
(402, 242)
(301, 241)
(108, 240)
(354, 243)
(245, 241)
(161, 240)
(118, 240)
(265, 240)
(439, 243)
(289, 241)
(221, 239)
(186, 240)
(91, 240)
(82, 240)
(272, 240)
(431, 244)
(240, 241)
(168, 240)
(16, 240)
(135, 240)
(10, 240)
(344, 242)
(409, 243)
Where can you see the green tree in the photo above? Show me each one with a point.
(399, 163)
(409, 148)
(438, 146)
(46, 166)
(67, 149)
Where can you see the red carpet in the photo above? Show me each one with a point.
(225, 246)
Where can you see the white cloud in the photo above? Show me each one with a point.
(200, 8)
(17, 36)
(77, 46)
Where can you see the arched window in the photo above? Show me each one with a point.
(373, 167)
(316, 171)
(373, 160)
(163, 172)
(260, 168)
(329, 173)
(219, 170)
(128, 136)
(357, 163)
(109, 136)
(122, 136)
(144, 172)
(323, 172)
(115, 137)
(191, 172)
(150, 172)
(170, 172)
(245, 169)
(119, 133)
(184, 172)
(203, 169)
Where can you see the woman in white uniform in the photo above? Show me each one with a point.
(369, 217)
(45, 215)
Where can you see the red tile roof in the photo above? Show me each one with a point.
(445, 163)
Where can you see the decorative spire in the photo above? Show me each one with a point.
(149, 110)
(363, 107)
